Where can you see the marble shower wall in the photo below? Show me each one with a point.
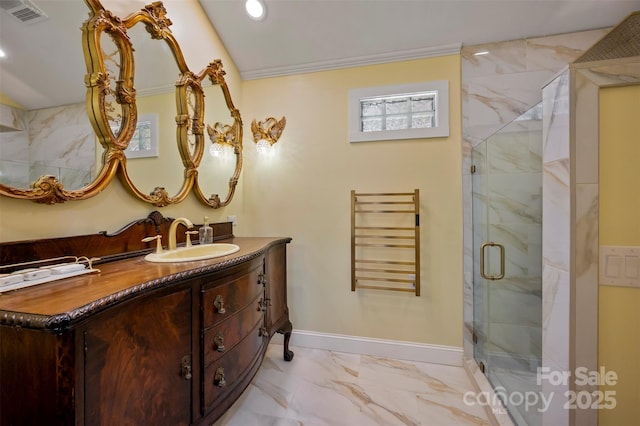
(556, 254)
(57, 141)
(497, 87)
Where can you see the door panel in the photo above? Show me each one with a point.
(128, 357)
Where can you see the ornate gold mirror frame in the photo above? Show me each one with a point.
(111, 105)
(224, 134)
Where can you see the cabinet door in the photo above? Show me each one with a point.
(134, 372)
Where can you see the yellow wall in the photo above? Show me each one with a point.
(303, 191)
(619, 319)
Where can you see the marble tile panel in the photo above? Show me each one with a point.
(434, 411)
(15, 144)
(493, 102)
(468, 297)
(62, 137)
(586, 225)
(556, 51)
(555, 316)
(586, 276)
(506, 57)
(517, 340)
(515, 199)
(11, 119)
(322, 367)
(534, 251)
(383, 406)
(334, 403)
(510, 152)
(15, 174)
(556, 119)
(556, 214)
(519, 382)
(625, 71)
(554, 392)
(511, 305)
(586, 130)
(514, 239)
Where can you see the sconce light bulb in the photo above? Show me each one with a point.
(255, 9)
(263, 147)
(216, 149)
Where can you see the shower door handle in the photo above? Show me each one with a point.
(482, 271)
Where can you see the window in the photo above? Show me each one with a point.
(410, 111)
(144, 142)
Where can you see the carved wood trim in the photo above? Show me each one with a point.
(62, 321)
(122, 244)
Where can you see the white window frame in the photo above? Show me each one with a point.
(441, 129)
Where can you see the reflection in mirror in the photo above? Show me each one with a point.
(44, 126)
(192, 130)
(111, 57)
(219, 169)
(155, 77)
(219, 159)
(117, 139)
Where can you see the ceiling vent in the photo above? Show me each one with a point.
(23, 10)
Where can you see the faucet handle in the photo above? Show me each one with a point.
(158, 239)
(189, 234)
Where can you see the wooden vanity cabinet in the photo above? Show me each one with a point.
(137, 362)
(276, 293)
(178, 353)
(233, 321)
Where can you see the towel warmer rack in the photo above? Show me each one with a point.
(385, 241)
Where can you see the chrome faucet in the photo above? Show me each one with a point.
(173, 230)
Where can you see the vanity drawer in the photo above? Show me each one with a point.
(221, 339)
(226, 373)
(222, 301)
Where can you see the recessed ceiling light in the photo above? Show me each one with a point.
(256, 9)
(2, 53)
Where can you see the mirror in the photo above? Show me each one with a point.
(44, 126)
(221, 163)
(152, 156)
(147, 112)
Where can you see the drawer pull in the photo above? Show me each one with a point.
(263, 304)
(218, 379)
(186, 368)
(219, 342)
(219, 304)
(262, 280)
(263, 332)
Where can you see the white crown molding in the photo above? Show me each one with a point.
(158, 90)
(408, 351)
(401, 55)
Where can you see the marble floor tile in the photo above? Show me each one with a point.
(325, 388)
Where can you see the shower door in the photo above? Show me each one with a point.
(507, 257)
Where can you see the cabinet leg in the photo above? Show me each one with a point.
(286, 331)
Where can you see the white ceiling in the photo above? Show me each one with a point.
(307, 35)
(297, 36)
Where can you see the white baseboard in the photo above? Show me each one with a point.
(437, 354)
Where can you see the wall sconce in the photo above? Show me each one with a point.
(221, 136)
(266, 133)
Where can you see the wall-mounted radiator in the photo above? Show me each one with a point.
(385, 241)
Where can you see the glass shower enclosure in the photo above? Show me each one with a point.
(507, 261)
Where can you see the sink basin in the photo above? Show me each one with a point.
(189, 254)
